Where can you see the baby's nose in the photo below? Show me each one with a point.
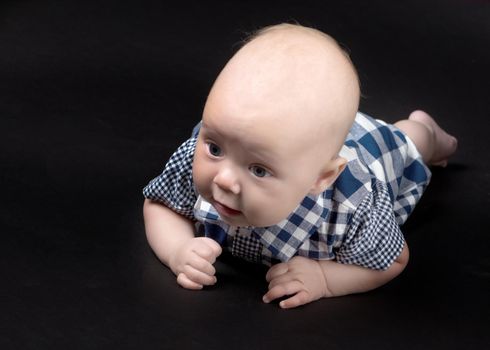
(227, 180)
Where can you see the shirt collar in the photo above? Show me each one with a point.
(283, 239)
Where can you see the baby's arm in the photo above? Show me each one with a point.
(307, 280)
(171, 236)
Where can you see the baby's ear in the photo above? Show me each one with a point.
(328, 175)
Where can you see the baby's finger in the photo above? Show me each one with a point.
(280, 279)
(201, 264)
(215, 247)
(185, 282)
(300, 298)
(276, 271)
(198, 277)
(207, 250)
(282, 290)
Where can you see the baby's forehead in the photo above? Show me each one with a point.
(294, 83)
(280, 136)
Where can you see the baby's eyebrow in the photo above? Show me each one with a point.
(255, 149)
(259, 152)
(204, 126)
(209, 129)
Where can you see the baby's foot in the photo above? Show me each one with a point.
(445, 144)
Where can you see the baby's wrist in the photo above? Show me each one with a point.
(174, 260)
(324, 278)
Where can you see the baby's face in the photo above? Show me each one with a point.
(250, 172)
(273, 122)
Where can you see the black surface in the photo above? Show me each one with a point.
(95, 96)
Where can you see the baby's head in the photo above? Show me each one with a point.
(273, 125)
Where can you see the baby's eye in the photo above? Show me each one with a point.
(214, 149)
(259, 171)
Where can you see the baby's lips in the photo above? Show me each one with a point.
(223, 209)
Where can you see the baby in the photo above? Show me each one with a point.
(283, 170)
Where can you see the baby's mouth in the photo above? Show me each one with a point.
(224, 210)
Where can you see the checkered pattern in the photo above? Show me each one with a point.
(391, 158)
(374, 239)
(174, 187)
(356, 221)
(246, 247)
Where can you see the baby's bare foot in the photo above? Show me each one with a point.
(445, 144)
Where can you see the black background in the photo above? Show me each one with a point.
(96, 95)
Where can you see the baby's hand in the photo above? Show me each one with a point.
(193, 262)
(300, 277)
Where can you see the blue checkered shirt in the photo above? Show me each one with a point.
(356, 221)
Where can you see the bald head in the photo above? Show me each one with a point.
(292, 78)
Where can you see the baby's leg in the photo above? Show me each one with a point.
(433, 143)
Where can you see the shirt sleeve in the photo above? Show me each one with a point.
(374, 239)
(174, 187)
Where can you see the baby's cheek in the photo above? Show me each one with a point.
(253, 209)
(264, 212)
(202, 176)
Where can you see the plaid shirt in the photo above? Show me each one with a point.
(356, 221)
